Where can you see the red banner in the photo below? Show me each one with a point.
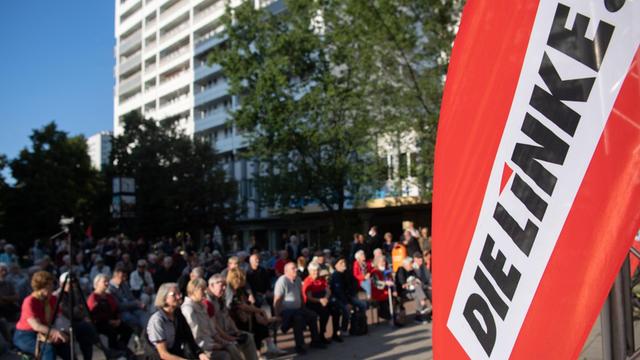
(537, 175)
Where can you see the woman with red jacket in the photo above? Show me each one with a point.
(362, 272)
(381, 284)
(104, 314)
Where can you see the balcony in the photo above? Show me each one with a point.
(216, 91)
(130, 84)
(174, 58)
(217, 8)
(174, 12)
(178, 32)
(127, 5)
(131, 63)
(130, 22)
(131, 42)
(175, 106)
(129, 104)
(177, 81)
(204, 70)
(208, 41)
(212, 119)
(225, 145)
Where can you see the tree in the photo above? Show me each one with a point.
(301, 105)
(180, 185)
(322, 83)
(53, 178)
(410, 42)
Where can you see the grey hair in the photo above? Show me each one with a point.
(99, 278)
(359, 253)
(198, 271)
(162, 294)
(408, 260)
(313, 266)
(216, 277)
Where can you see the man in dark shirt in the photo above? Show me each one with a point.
(168, 273)
(259, 281)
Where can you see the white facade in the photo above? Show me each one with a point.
(99, 148)
(161, 70)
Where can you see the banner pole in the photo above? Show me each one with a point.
(616, 318)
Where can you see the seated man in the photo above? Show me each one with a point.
(142, 285)
(287, 304)
(409, 287)
(227, 331)
(132, 311)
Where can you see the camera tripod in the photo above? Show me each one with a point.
(74, 288)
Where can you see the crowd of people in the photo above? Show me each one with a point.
(172, 299)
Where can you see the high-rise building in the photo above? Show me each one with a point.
(161, 71)
(99, 147)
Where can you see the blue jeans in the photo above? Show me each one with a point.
(26, 341)
(366, 286)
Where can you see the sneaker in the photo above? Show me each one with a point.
(426, 310)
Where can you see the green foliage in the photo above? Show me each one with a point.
(321, 82)
(53, 178)
(301, 106)
(179, 182)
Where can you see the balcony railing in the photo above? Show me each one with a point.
(174, 100)
(173, 9)
(130, 63)
(217, 6)
(174, 54)
(174, 31)
(130, 42)
(130, 83)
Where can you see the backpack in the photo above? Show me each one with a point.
(398, 254)
(358, 323)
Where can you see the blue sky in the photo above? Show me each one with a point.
(56, 64)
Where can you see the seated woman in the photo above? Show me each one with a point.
(168, 331)
(33, 326)
(382, 283)
(316, 295)
(362, 272)
(202, 328)
(410, 288)
(103, 308)
(246, 316)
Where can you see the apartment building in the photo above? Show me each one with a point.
(99, 148)
(161, 70)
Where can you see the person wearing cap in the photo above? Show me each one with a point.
(85, 334)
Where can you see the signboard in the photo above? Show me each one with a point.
(537, 174)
